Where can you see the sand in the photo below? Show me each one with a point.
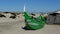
(15, 27)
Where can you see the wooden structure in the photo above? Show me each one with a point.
(53, 18)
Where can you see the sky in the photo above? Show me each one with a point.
(31, 5)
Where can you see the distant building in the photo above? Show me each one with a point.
(54, 18)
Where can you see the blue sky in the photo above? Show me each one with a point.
(31, 5)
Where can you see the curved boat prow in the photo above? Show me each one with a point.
(33, 24)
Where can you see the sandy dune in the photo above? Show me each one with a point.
(14, 26)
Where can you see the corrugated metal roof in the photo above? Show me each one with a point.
(57, 12)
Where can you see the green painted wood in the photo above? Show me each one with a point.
(34, 24)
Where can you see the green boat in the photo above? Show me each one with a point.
(32, 23)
